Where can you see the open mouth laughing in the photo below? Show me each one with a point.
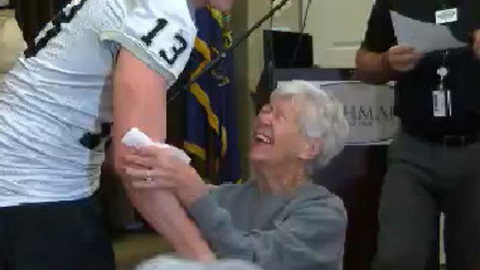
(262, 138)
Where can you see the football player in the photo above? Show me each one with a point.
(98, 62)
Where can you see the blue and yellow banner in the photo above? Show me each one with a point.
(211, 116)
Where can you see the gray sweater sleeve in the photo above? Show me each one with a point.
(310, 237)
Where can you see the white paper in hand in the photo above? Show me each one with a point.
(424, 37)
(136, 138)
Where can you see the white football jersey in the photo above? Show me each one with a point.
(56, 103)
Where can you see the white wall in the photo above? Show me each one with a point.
(11, 40)
(337, 27)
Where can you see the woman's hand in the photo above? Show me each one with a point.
(155, 168)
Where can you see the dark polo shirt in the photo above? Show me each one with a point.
(413, 98)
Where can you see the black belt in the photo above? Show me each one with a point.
(457, 140)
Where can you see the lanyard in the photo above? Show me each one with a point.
(443, 71)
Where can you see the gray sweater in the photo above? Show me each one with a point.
(302, 232)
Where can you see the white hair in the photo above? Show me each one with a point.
(170, 263)
(319, 116)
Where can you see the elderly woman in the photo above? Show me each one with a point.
(279, 219)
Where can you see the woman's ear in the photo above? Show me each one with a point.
(312, 147)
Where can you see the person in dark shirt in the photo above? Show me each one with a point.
(433, 161)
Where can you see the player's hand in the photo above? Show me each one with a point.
(222, 5)
(402, 58)
(476, 43)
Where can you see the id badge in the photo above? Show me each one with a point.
(446, 16)
(442, 103)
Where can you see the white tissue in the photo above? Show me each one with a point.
(136, 138)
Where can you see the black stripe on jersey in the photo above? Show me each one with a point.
(93, 140)
(62, 17)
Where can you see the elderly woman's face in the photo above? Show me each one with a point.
(276, 137)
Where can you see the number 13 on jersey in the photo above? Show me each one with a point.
(175, 51)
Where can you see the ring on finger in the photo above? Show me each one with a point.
(148, 177)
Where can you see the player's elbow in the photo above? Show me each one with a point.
(119, 165)
(119, 160)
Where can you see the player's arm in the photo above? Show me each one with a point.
(156, 38)
(140, 101)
